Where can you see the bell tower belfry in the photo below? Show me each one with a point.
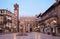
(16, 10)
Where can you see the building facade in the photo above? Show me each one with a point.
(28, 24)
(5, 20)
(50, 19)
(9, 20)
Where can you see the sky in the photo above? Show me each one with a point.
(27, 7)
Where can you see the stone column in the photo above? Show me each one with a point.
(56, 30)
(32, 27)
(24, 30)
(28, 27)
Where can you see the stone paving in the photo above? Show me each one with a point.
(32, 35)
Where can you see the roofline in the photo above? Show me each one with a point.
(7, 10)
(53, 6)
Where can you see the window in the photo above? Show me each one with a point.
(2, 11)
(8, 17)
(7, 25)
(1, 18)
(0, 22)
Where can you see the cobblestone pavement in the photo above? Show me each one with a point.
(32, 35)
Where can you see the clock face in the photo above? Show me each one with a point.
(16, 12)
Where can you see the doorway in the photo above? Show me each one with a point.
(30, 29)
